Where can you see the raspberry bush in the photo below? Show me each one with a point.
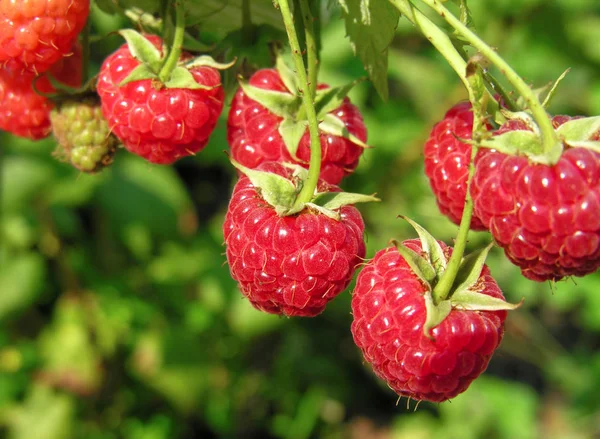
(199, 239)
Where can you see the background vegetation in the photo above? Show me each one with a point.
(118, 318)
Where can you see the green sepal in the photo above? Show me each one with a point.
(142, 49)
(473, 301)
(579, 129)
(299, 173)
(276, 190)
(329, 203)
(327, 100)
(291, 132)
(139, 73)
(552, 91)
(523, 142)
(592, 145)
(470, 270)
(435, 313)
(335, 126)
(522, 116)
(281, 104)
(328, 212)
(511, 142)
(288, 77)
(431, 247)
(208, 61)
(337, 200)
(181, 77)
(421, 266)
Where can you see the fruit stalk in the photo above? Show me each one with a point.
(437, 37)
(551, 144)
(311, 47)
(314, 169)
(175, 51)
(441, 291)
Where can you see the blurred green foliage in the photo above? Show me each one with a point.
(118, 318)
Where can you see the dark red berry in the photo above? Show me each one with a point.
(447, 162)
(254, 138)
(23, 111)
(291, 265)
(546, 218)
(388, 308)
(158, 123)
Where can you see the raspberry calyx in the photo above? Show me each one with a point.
(520, 135)
(465, 292)
(152, 61)
(281, 193)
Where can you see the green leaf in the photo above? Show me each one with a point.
(107, 6)
(371, 26)
(224, 16)
(470, 270)
(579, 129)
(281, 104)
(335, 126)
(137, 188)
(77, 356)
(181, 77)
(23, 180)
(430, 246)
(45, 414)
(278, 191)
(291, 132)
(142, 49)
(329, 99)
(435, 314)
(22, 280)
(137, 74)
(421, 266)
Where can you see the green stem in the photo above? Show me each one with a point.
(175, 51)
(307, 191)
(315, 7)
(550, 141)
(440, 40)
(85, 48)
(247, 27)
(493, 83)
(441, 291)
(311, 47)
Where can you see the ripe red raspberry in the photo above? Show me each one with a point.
(389, 312)
(25, 113)
(447, 162)
(546, 218)
(36, 34)
(253, 136)
(158, 123)
(291, 265)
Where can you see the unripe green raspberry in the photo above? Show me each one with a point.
(83, 135)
